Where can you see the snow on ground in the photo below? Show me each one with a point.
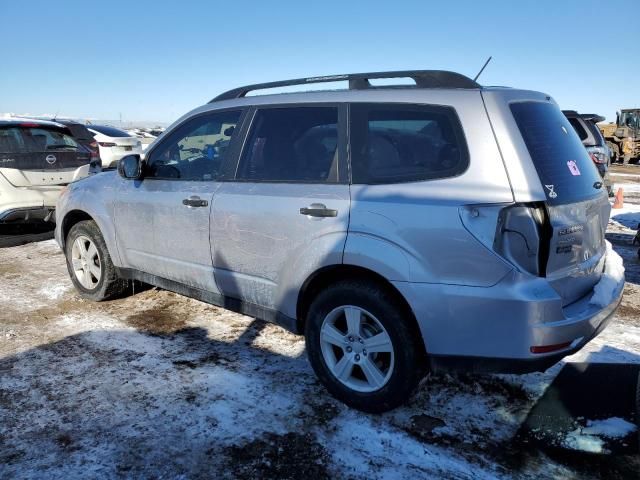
(158, 385)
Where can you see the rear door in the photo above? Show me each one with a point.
(576, 203)
(286, 213)
(162, 222)
(40, 155)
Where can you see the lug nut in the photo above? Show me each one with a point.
(360, 340)
(351, 339)
(357, 357)
(364, 352)
(349, 349)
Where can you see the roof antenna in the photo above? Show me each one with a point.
(55, 117)
(482, 69)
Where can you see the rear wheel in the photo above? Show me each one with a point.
(89, 263)
(361, 346)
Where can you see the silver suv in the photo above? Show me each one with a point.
(402, 229)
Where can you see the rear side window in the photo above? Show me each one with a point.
(405, 143)
(563, 164)
(296, 144)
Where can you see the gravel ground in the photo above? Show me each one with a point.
(155, 385)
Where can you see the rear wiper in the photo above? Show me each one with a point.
(60, 145)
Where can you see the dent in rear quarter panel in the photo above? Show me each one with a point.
(94, 195)
(413, 232)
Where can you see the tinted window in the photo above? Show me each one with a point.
(292, 145)
(405, 143)
(80, 132)
(109, 131)
(595, 133)
(43, 139)
(577, 126)
(196, 150)
(11, 141)
(563, 164)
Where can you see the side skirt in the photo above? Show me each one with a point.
(217, 299)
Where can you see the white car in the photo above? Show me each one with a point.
(37, 159)
(114, 144)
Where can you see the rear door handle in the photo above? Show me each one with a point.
(318, 210)
(195, 202)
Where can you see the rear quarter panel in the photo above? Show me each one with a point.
(412, 232)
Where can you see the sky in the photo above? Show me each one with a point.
(154, 61)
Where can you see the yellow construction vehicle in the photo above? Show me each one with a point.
(623, 137)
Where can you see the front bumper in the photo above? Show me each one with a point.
(493, 329)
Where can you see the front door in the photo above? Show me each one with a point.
(287, 212)
(162, 221)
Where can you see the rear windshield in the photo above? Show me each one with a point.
(80, 132)
(577, 126)
(596, 133)
(563, 164)
(35, 139)
(109, 131)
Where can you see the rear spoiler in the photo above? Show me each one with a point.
(593, 117)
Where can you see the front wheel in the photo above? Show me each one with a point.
(361, 346)
(89, 263)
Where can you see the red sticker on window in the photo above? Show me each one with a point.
(573, 167)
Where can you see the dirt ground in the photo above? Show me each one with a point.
(155, 385)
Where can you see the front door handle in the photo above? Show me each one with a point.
(195, 202)
(318, 210)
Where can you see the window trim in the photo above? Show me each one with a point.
(448, 110)
(231, 150)
(343, 150)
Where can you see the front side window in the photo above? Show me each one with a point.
(405, 143)
(195, 150)
(297, 144)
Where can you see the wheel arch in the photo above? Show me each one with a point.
(327, 275)
(70, 219)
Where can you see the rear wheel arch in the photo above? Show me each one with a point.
(326, 276)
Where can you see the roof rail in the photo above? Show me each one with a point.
(360, 81)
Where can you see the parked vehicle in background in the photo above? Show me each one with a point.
(114, 144)
(84, 137)
(586, 127)
(623, 137)
(37, 159)
(383, 222)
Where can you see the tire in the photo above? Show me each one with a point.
(379, 312)
(104, 283)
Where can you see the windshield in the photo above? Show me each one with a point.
(563, 164)
(630, 119)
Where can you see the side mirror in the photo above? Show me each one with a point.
(130, 167)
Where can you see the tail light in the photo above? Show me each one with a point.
(598, 157)
(519, 233)
(94, 149)
(107, 144)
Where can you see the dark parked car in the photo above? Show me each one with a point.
(585, 126)
(84, 137)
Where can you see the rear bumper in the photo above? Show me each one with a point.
(27, 215)
(493, 329)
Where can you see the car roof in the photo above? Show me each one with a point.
(19, 121)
